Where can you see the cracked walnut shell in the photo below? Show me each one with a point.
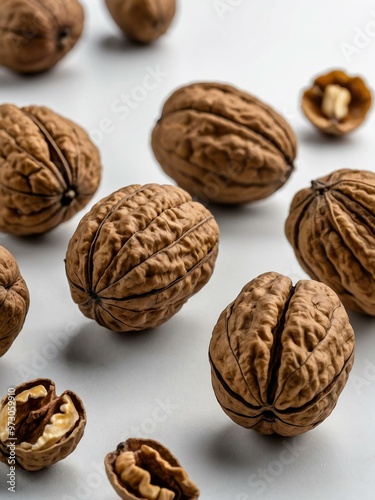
(331, 229)
(139, 254)
(142, 21)
(49, 169)
(14, 300)
(281, 354)
(37, 427)
(36, 34)
(222, 144)
(144, 469)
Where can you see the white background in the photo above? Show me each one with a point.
(271, 49)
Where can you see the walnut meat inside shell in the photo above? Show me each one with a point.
(139, 254)
(222, 144)
(14, 300)
(281, 354)
(36, 34)
(49, 169)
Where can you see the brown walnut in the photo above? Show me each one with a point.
(142, 21)
(143, 469)
(139, 254)
(49, 169)
(41, 427)
(14, 300)
(222, 144)
(336, 103)
(331, 227)
(281, 354)
(36, 34)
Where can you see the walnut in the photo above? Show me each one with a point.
(144, 469)
(336, 103)
(331, 229)
(49, 169)
(37, 427)
(222, 144)
(36, 34)
(139, 254)
(142, 21)
(281, 354)
(14, 300)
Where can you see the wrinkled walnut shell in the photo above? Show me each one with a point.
(170, 477)
(49, 169)
(331, 227)
(139, 254)
(359, 105)
(222, 144)
(31, 419)
(142, 20)
(14, 300)
(35, 35)
(281, 354)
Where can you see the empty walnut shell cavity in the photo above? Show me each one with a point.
(49, 169)
(35, 36)
(222, 144)
(44, 428)
(139, 254)
(281, 354)
(145, 469)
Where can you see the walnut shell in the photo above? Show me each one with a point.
(281, 354)
(46, 428)
(139, 254)
(142, 21)
(222, 144)
(49, 169)
(36, 34)
(14, 300)
(359, 105)
(331, 229)
(148, 466)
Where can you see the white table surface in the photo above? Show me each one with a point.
(157, 384)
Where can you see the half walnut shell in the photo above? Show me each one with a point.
(37, 427)
(143, 469)
(337, 103)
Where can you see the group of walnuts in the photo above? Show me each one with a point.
(280, 353)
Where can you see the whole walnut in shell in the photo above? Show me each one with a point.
(37, 427)
(142, 21)
(281, 354)
(49, 169)
(14, 300)
(222, 144)
(36, 34)
(331, 229)
(139, 254)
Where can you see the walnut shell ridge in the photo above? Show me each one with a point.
(35, 35)
(14, 300)
(281, 354)
(139, 254)
(49, 169)
(331, 227)
(222, 144)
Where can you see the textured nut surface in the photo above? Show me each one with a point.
(14, 300)
(331, 227)
(144, 469)
(35, 35)
(142, 20)
(315, 110)
(139, 254)
(222, 144)
(49, 169)
(280, 355)
(46, 427)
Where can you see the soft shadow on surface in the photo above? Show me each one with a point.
(313, 137)
(113, 43)
(58, 74)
